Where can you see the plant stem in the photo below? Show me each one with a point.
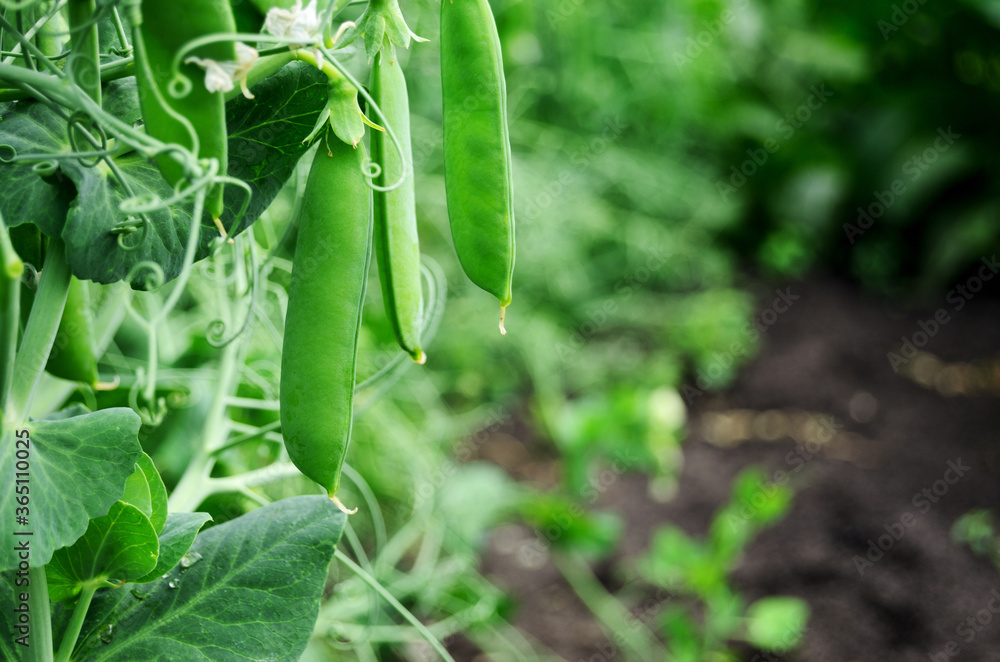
(194, 485)
(86, 58)
(403, 611)
(631, 632)
(120, 29)
(265, 67)
(272, 473)
(56, 88)
(72, 633)
(10, 312)
(40, 332)
(40, 649)
(110, 71)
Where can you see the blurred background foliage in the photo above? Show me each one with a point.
(674, 163)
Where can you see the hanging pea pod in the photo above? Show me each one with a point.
(162, 30)
(72, 356)
(323, 322)
(396, 243)
(477, 159)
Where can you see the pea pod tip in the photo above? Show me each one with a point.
(344, 509)
(14, 269)
(503, 314)
(108, 386)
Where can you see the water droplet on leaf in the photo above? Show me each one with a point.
(190, 559)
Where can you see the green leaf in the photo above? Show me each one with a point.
(265, 144)
(120, 546)
(566, 524)
(121, 99)
(672, 555)
(254, 594)
(92, 247)
(266, 134)
(776, 623)
(27, 198)
(683, 635)
(157, 493)
(176, 539)
(77, 469)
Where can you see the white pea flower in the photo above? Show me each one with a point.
(301, 25)
(222, 76)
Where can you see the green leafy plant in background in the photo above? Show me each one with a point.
(697, 573)
(977, 530)
(696, 613)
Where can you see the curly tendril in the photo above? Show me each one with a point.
(46, 168)
(215, 334)
(152, 415)
(151, 281)
(82, 122)
(371, 169)
(130, 227)
(179, 86)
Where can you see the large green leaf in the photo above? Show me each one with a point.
(265, 143)
(92, 242)
(175, 542)
(253, 594)
(266, 134)
(77, 469)
(31, 128)
(120, 546)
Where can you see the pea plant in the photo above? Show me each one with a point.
(141, 142)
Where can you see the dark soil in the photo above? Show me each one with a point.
(911, 603)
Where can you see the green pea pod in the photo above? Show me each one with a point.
(323, 322)
(72, 355)
(477, 158)
(165, 28)
(396, 243)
